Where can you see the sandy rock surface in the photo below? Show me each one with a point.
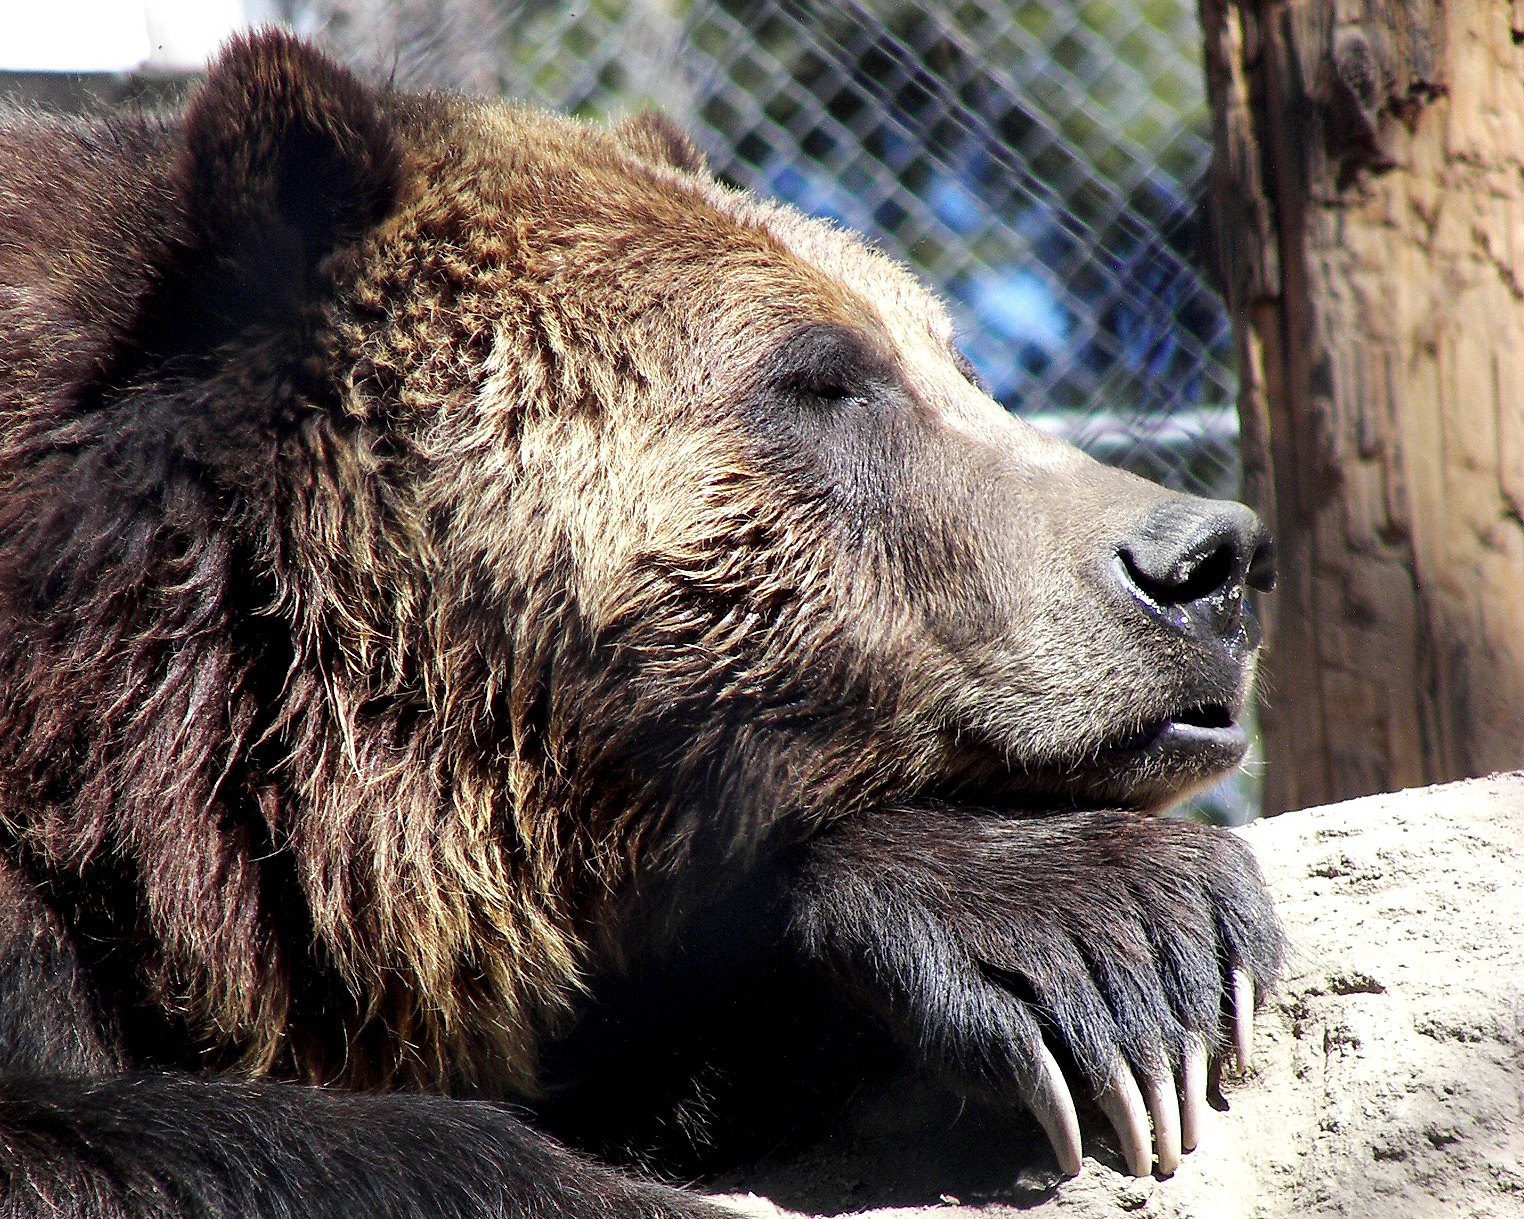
(1389, 1067)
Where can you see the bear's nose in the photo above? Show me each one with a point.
(1189, 560)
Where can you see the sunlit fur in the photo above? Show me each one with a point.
(377, 659)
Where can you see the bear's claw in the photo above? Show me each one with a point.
(1243, 1018)
(1053, 1106)
(1122, 1103)
(1155, 1118)
(1164, 1110)
(1193, 1075)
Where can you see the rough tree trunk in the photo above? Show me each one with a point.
(1389, 1065)
(1369, 208)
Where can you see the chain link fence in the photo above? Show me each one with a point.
(1039, 161)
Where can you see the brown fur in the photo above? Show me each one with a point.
(404, 563)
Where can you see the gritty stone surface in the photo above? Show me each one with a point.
(1389, 1066)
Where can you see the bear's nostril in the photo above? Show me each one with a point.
(1193, 578)
(1191, 558)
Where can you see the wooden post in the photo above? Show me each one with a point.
(1368, 199)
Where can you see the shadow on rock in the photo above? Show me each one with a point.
(905, 1143)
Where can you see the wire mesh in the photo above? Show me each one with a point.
(1039, 162)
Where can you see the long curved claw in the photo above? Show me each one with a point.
(1243, 1018)
(1122, 1104)
(1193, 1075)
(1164, 1109)
(1053, 1106)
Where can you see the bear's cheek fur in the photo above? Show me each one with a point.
(894, 566)
(948, 557)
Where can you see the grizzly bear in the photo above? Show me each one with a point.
(461, 566)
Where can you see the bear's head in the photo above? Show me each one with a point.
(474, 511)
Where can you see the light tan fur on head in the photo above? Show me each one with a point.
(584, 548)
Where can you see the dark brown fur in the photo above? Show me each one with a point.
(414, 589)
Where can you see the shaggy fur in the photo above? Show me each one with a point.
(444, 550)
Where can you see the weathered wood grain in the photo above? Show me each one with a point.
(1369, 205)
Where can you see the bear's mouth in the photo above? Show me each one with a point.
(1199, 728)
(1144, 767)
(1167, 758)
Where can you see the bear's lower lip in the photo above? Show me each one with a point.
(1231, 739)
(1206, 735)
(1146, 768)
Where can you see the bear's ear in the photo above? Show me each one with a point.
(286, 158)
(652, 135)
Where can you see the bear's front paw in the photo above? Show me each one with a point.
(1117, 951)
(1137, 959)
